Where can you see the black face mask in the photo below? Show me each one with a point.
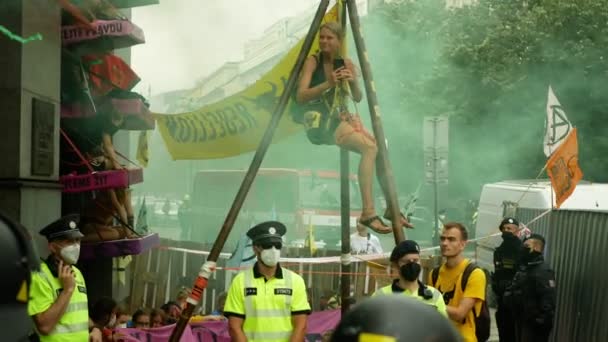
(410, 271)
(530, 254)
(508, 236)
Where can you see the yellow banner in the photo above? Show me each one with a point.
(236, 124)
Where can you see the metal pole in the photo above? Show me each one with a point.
(435, 191)
(344, 205)
(209, 266)
(374, 109)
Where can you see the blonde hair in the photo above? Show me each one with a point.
(335, 28)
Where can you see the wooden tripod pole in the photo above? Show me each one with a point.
(209, 266)
(374, 109)
(345, 218)
(344, 203)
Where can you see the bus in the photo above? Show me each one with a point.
(301, 199)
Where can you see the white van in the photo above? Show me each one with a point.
(530, 194)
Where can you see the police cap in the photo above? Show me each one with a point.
(64, 228)
(508, 220)
(267, 231)
(403, 248)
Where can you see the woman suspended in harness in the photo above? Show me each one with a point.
(326, 82)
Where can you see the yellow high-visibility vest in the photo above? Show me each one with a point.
(267, 305)
(436, 300)
(74, 324)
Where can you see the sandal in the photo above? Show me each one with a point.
(368, 223)
(406, 223)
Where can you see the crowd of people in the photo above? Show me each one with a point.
(107, 315)
(269, 302)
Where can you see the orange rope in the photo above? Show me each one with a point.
(383, 275)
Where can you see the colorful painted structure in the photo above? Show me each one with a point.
(97, 101)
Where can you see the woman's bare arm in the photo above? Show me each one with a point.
(305, 93)
(354, 85)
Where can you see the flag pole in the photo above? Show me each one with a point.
(385, 171)
(209, 266)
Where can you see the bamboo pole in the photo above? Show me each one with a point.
(209, 266)
(374, 109)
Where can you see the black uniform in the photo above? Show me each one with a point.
(506, 261)
(532, 295)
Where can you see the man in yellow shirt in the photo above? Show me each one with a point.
(267, 302)
(462, 304)
(405, 259)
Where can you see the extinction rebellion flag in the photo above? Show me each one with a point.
(561, 146)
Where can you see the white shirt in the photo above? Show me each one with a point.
(365, 245)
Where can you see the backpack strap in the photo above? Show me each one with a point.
(465, 278)
(435, 276)
(466, 274)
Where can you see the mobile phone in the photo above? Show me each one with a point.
(338, 63)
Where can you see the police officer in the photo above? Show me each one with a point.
(18, 261)
(394, 318)
(532, 293)
(58, 296)
(506, 260)
(406, 259)
(267, 302)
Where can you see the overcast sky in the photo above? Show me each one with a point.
(188, 39)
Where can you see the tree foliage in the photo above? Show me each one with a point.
(489, 66)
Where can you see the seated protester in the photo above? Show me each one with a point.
(405, 264)
(182, 296)
(98, 216)
(157, 318)
(220, 302)
(216, 315)
(322, 74)
(122, 317)
(172, 311)
(141, 319)
(103, 316)
(334, 302)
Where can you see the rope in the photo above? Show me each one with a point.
(69, 141)
(335, 259)
(530, 185)
(115, 150)
(127, 159)
(116, 216)
(353, 119)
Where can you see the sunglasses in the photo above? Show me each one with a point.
(269, 245)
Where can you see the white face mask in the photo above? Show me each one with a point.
(122, 325)
(270, 257)
(70, 253)
(112, 321)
